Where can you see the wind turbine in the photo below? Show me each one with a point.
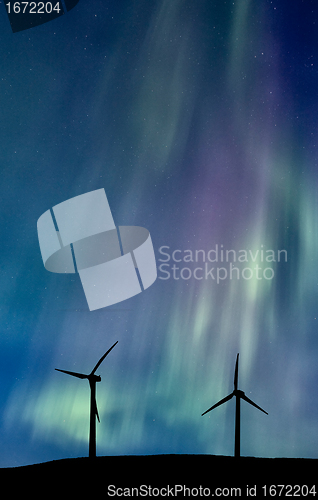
(239, 395)
(92, 379)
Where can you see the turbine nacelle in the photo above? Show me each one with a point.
(239, 393)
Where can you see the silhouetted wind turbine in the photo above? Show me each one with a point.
(239, 395)
(92, 379)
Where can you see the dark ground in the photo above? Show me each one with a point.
(187, 473)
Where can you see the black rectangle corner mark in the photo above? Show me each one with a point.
(70, 4)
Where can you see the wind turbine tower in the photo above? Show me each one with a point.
(238, 396)
(92, 379)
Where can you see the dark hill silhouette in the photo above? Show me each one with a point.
(83, 475)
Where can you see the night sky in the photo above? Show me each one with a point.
(199, 119)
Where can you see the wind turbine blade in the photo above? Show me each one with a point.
(236, 373)
(74, 374)
(253, 404)
(102, 359)
(219, 403)
(96, 411)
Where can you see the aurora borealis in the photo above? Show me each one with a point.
(199, 119)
